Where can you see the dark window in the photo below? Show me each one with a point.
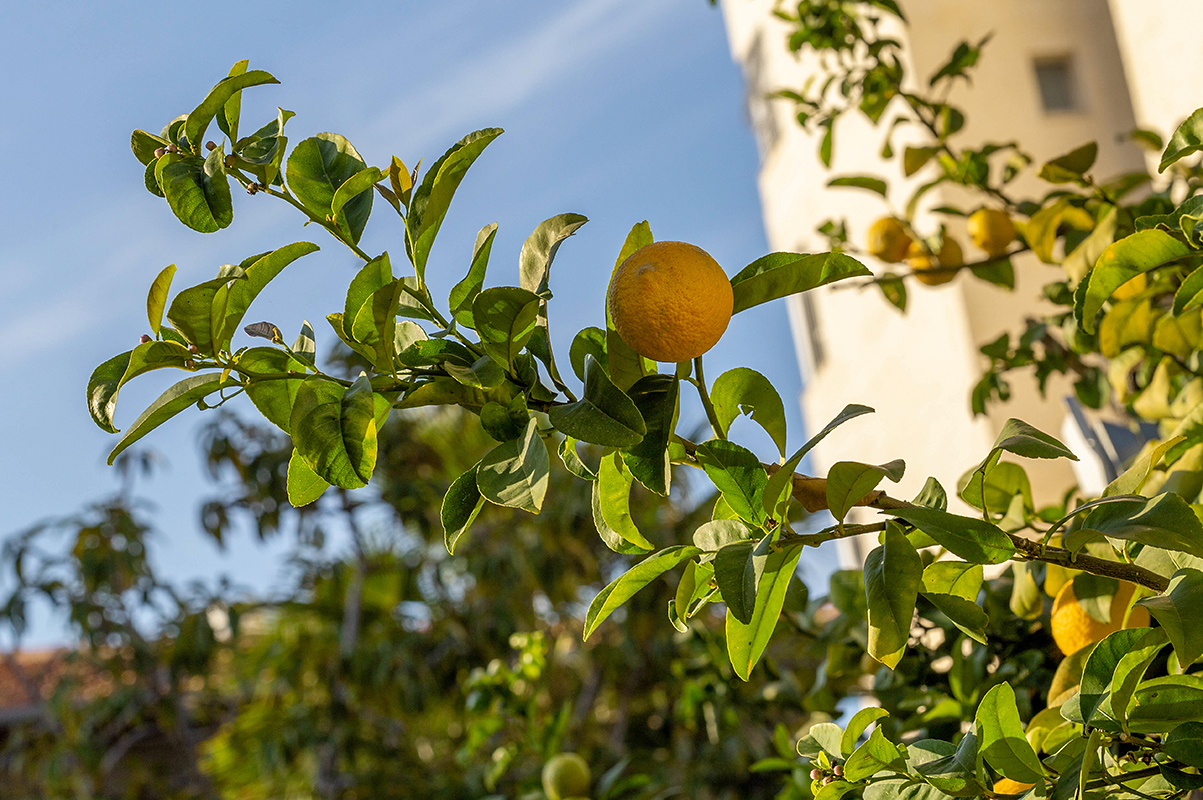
(1055, 77)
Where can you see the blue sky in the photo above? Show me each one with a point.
(621, 110)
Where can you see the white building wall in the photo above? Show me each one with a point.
(918, 370)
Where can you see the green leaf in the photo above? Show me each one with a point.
(1026, 600)
(485, 373)
(1187, 139)
(304, 485)
(1119, 263)
(780, 485)
(334, 430)
(588, 342)
(156, 298)
(955, 770)
(624, 365)
(430, 201)
(915, 158)
(1134, 478)
(353, 187)
(823, 737)
(736, 568)
(240, 294)
(875, 755)
(875, 185)
(1101, 665)
(539, 250)
(196, 190)
(1185, 743)
(932, 495)
(746, 642)
(144, 146)
(782, 274)
(1002, 741)
(179, 397)
(155, 355)
(505, 318)
(624, 587)
(1083, 257)
(605, 415)
(273, 398)
(1070, 167)
(849, 481)
(461, 505)
(215, 102)
(738, 474)
(193, 312)
(1166, 521)
(718, 533)
(612, 507)
(515, 473)
(103, 386)
(856, 726)
(1022, 439)
(573, 462)
(743, 390)
(1128, 674)
(967, 615)
(893, 573)
(958, 578)
(315, 170)
(656, 397)
(999, 273)
(1178, 610)
(970, 538)
(1162, 704)
(231, 111)
(464, 292)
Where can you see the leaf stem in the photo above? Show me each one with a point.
(700, 383)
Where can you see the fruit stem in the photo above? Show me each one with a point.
(700, 382)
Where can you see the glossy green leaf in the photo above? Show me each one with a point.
(967, 615)
(777, 491)
(461, 505)
(1185, 743)
(144, 146)
(430, 201)
(505, 318)
(737, 569)
(515, 473)
(718, 533)
(893, 573)
(624, 587)
(746, 642)
(334, 430)
(1133, 479)
(877, 754)
(1022, 439)
(573, 462)
(194, 314)
(782, 274)
(1178, 610)
(1119, 263)
(196, 190)
(156, 298)
(315, 170)
(656, 397)
(1166, 521)
(464, 292)
(588, 342)
(215, 101)
(228, 116)
(1027, 601)
(605, 415)
(187, 392)
(848, 482)
(958, 578)
(869, 183)
(304, 485)
(823, 737)
(1002, 742)
(258, 274)
(103, 386)
(746, 391)
(353, 187)
(738, 474)
(539, 250)
(1071, 167)
(1083, 257)
(612, 507)
(1130, 671)
(1187, 139)
(955, 770)
(932, 495)
(860, 721)
(1162, 704)
(273, 398)
(970, 538)
(624, 365)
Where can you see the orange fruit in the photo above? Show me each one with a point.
(1073, 628)
(921, 262)
(670, 301)
(1008, 786)
(888, 240)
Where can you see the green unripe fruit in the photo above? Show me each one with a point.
(565, 776)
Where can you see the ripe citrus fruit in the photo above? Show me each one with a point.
(1073, 628)
(888, 240)
(921, 262)
(565, 775)
(1008, 786)
(991, 230)
(670, 301)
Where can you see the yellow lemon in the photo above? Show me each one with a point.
(566, 775)
(1008, 786)
(670, 301)
(921, 262)
(991, 230)
(888, 240)
(1073, 628)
